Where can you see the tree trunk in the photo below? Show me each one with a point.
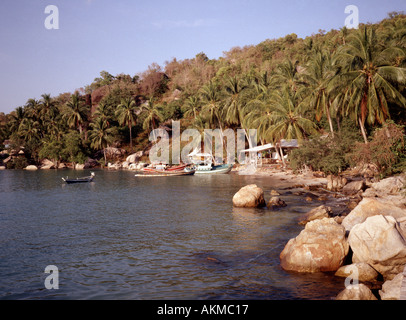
(281, 155)
(329, 120)
(131, 137)
(364, 135)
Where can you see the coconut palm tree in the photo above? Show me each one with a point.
(212, 108)
(319, 72)
(234, 102)
(100, 136)
(126, 115)
(370, 79)
(153, 116)
(192, 107)
(287, 118)
(75, 113)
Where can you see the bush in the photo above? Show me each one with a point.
(324, 153)
(386, 150)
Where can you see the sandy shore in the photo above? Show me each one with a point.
(286, 178)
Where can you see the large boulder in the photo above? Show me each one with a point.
(356, 292)
(250, 196)
(388, 186)
(316, 213)
(369, 207)
(380, 242)
(321, 246)
(354, 187)
(391, 289)
(360, 271)
(31, 168)
(133, 158)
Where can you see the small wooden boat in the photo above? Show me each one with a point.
(205, 164)
(79, 180)
(166, 173)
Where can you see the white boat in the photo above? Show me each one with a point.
(204, 163)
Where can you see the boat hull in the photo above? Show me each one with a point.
(221, 169)
(161, 173)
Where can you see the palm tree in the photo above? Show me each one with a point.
(234, 103)
(211, 108)
(75, 113)
(29, 129)
(104, 112)
(370, 79)
(192, 106)
(153, 116)
(100, 136)
(287, 118)
(319, 72)
(287, 74)
(126, 115)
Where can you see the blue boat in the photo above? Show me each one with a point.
(204, 164)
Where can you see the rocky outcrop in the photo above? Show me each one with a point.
(385, 187)
(391, 289)
(47, 164)
(321, 246)
(316, 213)
(380, 242)
(356, 292)
(250, 196)
(369, 207)
(134, 158)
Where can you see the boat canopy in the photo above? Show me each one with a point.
(284, 144)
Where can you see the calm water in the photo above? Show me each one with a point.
(126, 237)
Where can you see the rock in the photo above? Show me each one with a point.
(356, 292)
(47, 164)
(388, 186)
(62, 165)
(91, 163)
(274, 193)
(321, 246)
(133, 158)
(125, 165)
(31, 168)
(381, 243)
(391, 288)
(354, 187)
(250, 196)
(361, 271)
(335, 183)
(316, 213)
(79, 166)
(115, 166)
(2, 168)
(370, 207)
(276, 202)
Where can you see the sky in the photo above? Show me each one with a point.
(126, 36)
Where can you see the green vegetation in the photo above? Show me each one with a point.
(329, 90)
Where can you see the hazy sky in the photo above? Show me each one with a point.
(126, 36)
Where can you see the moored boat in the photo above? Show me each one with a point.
(204, 163)
(79, 180)
(166, 173)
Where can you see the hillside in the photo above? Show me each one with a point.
(346, 83)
